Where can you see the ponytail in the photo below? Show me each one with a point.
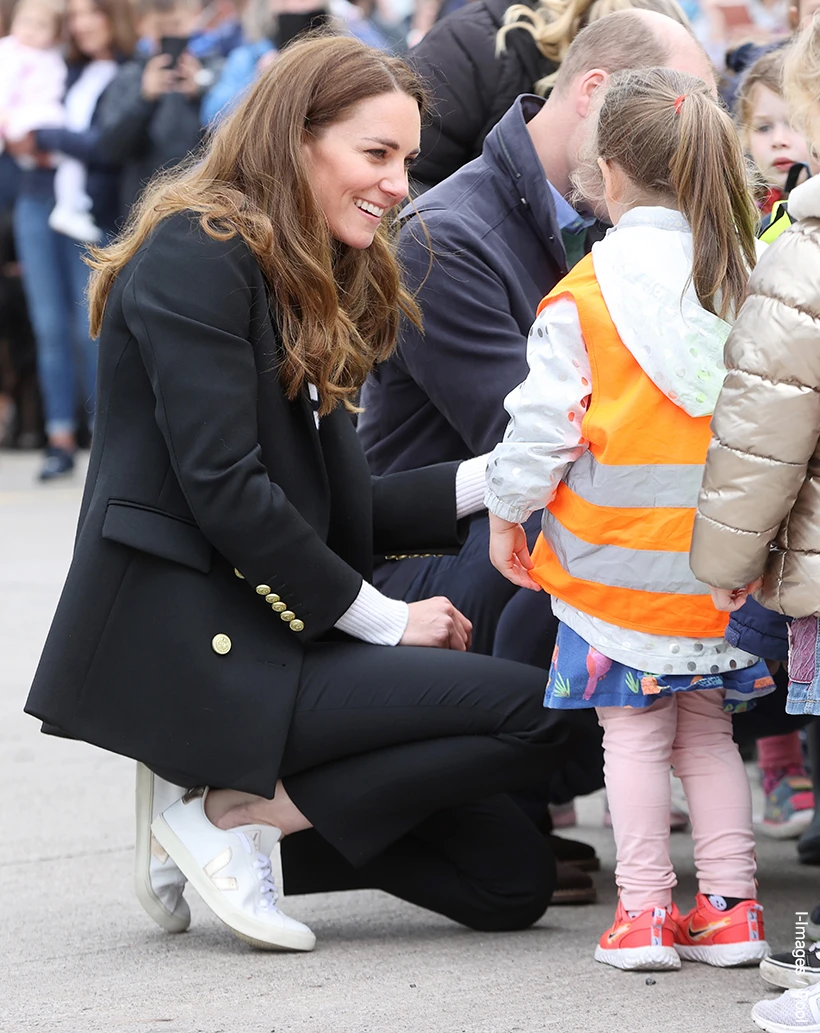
(711, 182)
(667, 132)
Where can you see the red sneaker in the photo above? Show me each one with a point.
(646, 942)
(720, 937)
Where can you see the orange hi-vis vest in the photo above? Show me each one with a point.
(615, 539)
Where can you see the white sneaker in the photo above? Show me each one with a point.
(795, 1011)
(231, 871)
(78, 225)
(158, 883)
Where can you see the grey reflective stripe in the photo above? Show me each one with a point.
(612, 565)
(646, 486)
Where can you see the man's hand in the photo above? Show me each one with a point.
(158, 78)
(510, 554)
(436, 622)
(731, 599)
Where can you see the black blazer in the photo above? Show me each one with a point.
(201, 471)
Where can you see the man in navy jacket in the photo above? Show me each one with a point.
(502, 235)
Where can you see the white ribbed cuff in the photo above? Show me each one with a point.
(471, 480)
(375, 618)
(505, 510)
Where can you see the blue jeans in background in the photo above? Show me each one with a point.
(54, 280)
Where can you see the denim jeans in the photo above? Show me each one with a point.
(54, 281)
(804, 668)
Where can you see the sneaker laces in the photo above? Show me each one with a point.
(264, 873)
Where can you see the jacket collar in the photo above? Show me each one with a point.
(509, 150)
(804, 201)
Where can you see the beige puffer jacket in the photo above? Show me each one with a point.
(759, 506)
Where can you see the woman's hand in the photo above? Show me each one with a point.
(731, 599)
(436, 622)
(509, 552)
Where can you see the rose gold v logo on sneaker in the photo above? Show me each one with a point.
(218, 864)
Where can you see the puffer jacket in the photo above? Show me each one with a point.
(470, 87)
(759, 507)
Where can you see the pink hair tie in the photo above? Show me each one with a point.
(679, 103)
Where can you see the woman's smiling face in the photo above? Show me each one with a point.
(359, 165)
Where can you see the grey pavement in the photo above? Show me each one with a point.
(79, 955)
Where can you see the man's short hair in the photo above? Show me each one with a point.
(619, 41)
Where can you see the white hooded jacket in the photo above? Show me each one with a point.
(643, 267)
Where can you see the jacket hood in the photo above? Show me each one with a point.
(804, 201)
(643, 267)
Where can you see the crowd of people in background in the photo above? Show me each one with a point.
(99, 96)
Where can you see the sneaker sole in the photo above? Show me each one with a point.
(791, 829)
(726, 955)
(778, 1027)
(639, 959)
(150, 902)
(258, 934)
(787, 977)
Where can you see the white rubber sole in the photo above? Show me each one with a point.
(726, 955)
(778, 1027)
(791, 829)
(246, 927)
(640, 959)
(171, 922)
(787, 977)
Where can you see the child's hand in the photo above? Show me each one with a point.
(731, 599)
(509, 552)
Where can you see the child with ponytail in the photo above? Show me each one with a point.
(608, 436)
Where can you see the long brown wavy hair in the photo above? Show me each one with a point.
(337, 308)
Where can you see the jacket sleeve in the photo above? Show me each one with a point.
(469, 354)
(193, 333)
(416, 510)
(124, 116)
(238, 72)
(546, 411)
(767, 421)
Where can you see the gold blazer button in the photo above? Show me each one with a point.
(239, 573)
(221, 644)
(287, 615)
(296, 625)
(263, 589)
(272, 598)
(278, 607)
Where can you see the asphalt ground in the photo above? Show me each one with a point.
(79, 955)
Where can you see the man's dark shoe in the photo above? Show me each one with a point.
(573, 886)
(580, 855)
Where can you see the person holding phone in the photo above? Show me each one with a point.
(150, 118)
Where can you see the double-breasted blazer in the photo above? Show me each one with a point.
(220, 533)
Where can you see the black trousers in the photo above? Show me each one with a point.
(508, 622)
(399, 758)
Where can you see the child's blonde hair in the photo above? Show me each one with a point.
(668, 134)
(766, 71)
(801, 80)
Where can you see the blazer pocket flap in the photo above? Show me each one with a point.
(161, 534)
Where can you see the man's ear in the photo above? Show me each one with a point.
(588, 83)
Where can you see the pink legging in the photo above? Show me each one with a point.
(691, 732)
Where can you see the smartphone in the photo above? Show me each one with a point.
(173, 46)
